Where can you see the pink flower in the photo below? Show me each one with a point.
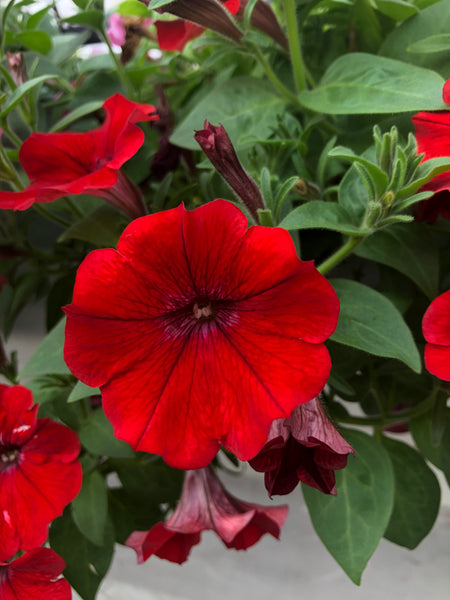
(436, 331)
(39, 471)
(306, 447)
(206, 505)
(34, 576)
(200, 332)
(116, 29)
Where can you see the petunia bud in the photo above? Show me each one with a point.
(17, 68)
(206, 505)
(306, 447)
(217, 146)
(264, 19)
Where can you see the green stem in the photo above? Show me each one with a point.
(284, 91)
(12, 136)
(50, 216)
(340, 254)
(120, 68)
(298, 68)
(74, 208)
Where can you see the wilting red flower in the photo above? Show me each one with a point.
(306, 447)
(216, 144)
(200, 332)
(39, 471)
(206, 505)
(174, 35)
(436, 331)
(34, 576)
(74, 163)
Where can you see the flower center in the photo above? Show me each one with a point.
(8, 457)
(202, 310)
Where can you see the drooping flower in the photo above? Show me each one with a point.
(306, 447)
(216, 144)
(74, 163)
(34, 576)
(436, 331)
(195, 18)
(200, 332)
(206, 505)
(39, 471)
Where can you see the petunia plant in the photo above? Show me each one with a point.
(235, 217)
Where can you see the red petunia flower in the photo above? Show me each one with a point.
(200, 332)
(39, 471)
(436, 331)
(34, 576)
(306, 447)
(175, 34)
(206, 505)
(74, 163)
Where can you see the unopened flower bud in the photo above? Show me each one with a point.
(16, 66)
(217, 146)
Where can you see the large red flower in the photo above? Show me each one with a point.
(436, 331)
(34, 576)
(306, 447)
(200, 331)
(74, 163)
(39, 471)
(206, 505)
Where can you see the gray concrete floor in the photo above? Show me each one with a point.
(295, 568)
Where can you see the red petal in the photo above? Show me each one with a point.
(437, 361)
(174, 35)
(165, 543)
(33, 577)
(436, 321)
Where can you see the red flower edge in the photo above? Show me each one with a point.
(436, 331)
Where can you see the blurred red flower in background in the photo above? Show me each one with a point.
(436, 331)
(200, 332)
(206, 505)
(39, 471)
(34, 576)
(306, 447)
(74, 163)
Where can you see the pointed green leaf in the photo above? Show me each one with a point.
(81, 390)
(433, 43)
(76, 114)
(49, 356)
(370, 322)
(417, 496)
(321, 215)
(90, 508)
(411, 249)
(359, 83)
(22, 91)
(438, 454)
(352, 523)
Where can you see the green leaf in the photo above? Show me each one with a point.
(65, 45)
(77, 113)
(378, 176)
(81, 390)
(97, 436)
(133, 8)
(370, 322)
(352, 524)
(92, 18)
(35, 18)
(39, 41)
(86, 563)
(359, 83)
(320, 215)
(411, 249)
(102, 227)
(49, 356)
(433, 43)
(90, 508)
(417, 496)
(22, 91)
(353, 195)
(396, 9)
(422, 432)
(247, 107)
(426, 171)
